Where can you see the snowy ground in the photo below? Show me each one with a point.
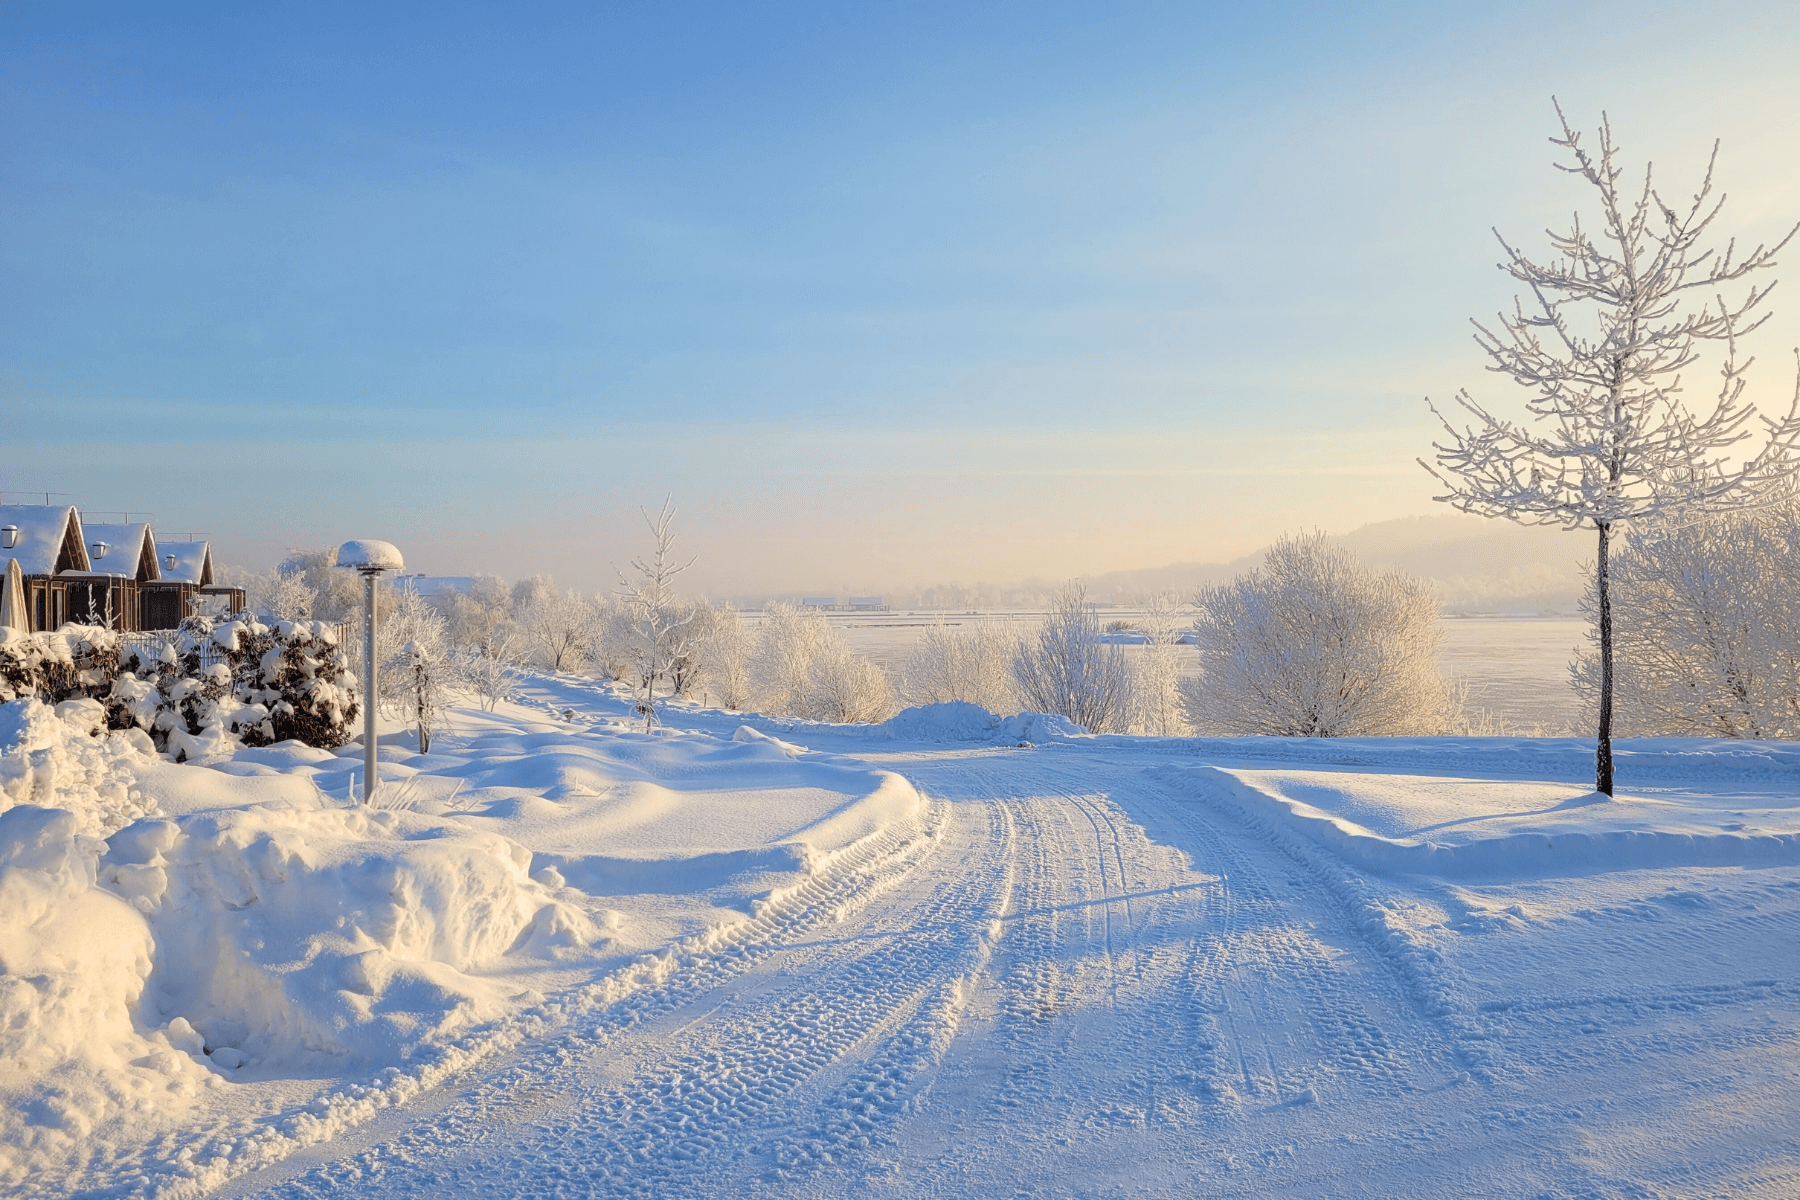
(889, 965)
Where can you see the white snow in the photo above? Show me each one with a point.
(952, 954)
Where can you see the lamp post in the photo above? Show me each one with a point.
(369, 559)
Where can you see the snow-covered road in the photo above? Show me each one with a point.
(1074, 978)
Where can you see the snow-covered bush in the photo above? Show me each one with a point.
(1065, 669)
(846, 687)
(237, 679)
(1706, 620)
(1314, 644)
(76, 660)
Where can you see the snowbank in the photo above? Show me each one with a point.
(962, 721)
(1458, 828)
(334, 936)
(73, 963)
(65, 758)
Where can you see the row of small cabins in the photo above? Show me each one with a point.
(59, 570)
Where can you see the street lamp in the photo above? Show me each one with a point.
(370, 559)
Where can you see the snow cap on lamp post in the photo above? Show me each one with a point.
(370, 558)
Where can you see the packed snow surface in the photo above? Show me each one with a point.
(953, 954)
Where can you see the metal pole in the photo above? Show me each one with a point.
(369, 578)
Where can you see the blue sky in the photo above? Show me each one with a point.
(879, 293)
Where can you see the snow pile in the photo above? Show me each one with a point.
(73, 961)
(962, 721)
(348, 937)
(65, 758)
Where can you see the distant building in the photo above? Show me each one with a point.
(823, 603)
(434, 587)
(868, 604)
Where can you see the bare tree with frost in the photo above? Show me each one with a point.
(659, 619)
(972, 661)
(1314, 644)
(487, 670)
(1612, 322)
(725, 654)
(1067, 669)
(414, 657)
(556, 623)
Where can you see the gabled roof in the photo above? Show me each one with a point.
(193, 562)
(131, 550)
(50, 538)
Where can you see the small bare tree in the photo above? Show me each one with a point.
(725, 655)
(486, 670)
(555, 622)
(659, 619)
(1613, 321)
(1066, 669)
(971, 662)
(1157, 689)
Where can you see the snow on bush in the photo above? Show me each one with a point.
(1314, 644)
(236, 679)
(64, 757)
(76, 660)
(73, 961)
(301, 937)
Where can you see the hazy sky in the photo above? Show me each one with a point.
(888, 293)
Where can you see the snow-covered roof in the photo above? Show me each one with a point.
(193, 562)
(49, 538)
(128, 548)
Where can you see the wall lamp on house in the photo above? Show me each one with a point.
(100, 549)
(169, 561)
(9, 537)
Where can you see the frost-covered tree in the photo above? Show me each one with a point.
(478, 616)
(972, 661)
(1706, 620)
(660, 620)
(1613, 320)
(555, 623)
(1065, 667)
(1156, 688)
(1314, 644)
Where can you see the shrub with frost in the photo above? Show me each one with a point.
(1065, 668)
(725, 651)
(74, 661)
(802, 667)
(971, 662)
(1314, 644)
(1706, 629)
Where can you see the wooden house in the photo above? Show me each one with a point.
(46, 540)
(123, 559)
(185, 575)
(113, 575)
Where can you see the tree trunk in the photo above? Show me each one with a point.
(1603, 756)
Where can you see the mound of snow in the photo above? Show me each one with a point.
(962, 721)
(65, 758)
(73, 961)
(290, 935)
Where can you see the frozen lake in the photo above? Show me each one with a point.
(1517, 667)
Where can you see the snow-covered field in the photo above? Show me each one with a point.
(945, 956)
